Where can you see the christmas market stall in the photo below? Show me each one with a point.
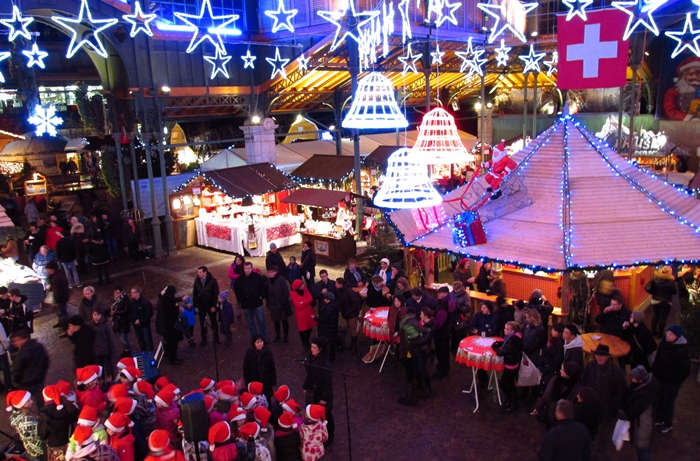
(240, 210)
(329, 171)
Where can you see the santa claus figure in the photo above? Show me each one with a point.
(682, 101)
(499, 166)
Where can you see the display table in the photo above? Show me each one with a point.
(376, 326)
(232, 236)
(618, 347)
(327, 248)
(476, 352)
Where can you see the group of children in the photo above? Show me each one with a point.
(135, 420)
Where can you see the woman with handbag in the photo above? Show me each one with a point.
(511, 349)
(168, 314)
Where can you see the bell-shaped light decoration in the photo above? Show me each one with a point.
(406, 183)
(374, 105)
(438, 140)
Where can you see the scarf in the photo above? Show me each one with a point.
(382, 274)
(357, 275)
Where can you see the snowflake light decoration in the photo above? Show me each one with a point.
(36, 56)
(552, 63)
(78, 39)
(340, 20)
(18, 24)
(45, 120)
(532, 60)
(577, 8)
(248, 60)
(643, 17)
(499, 11)
(3, 55)
(502, 56)
(213, 32)
(687, 38)
(413, 58)
(285, 23)
(140, 21)
(219, 61)
(278, 64)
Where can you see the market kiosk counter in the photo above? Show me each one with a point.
(333, 249)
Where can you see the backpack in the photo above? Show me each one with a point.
(409, 330)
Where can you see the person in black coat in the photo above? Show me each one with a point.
(485, 322)
(274, 258)
(120, 318)
(60, 290)
(375, 294)
(67, 255)
(573, 345)
(350, 303)
(205, 293)
(354, 275)
(327, 318)
(662, 288)
(56, 419)
(504, 312)
(318, 385)
(29, 364)
(419, 300)
(140, 314)
(250, 289)
(322, 286)
(671, 367)
(167, 315)
(637, 409)
(308, 264)
(588, 410)
(511, 349)
(83, 339)
(99, 257)
(569, 440)
(287, 439)
(640, 339)
(539, 302)
(553, 356)
(613, 317)
(482, 281)
(259, 365)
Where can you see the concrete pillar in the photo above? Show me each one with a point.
(260, 142)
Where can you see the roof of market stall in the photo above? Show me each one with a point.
(323, 198)
(332, 168)
(590, 208)
(249, 180)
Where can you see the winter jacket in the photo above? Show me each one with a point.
(416, 337)
(83, 342)
(557, 388)
(250, 290)
(59, 287)
(375, 297)
(22, 316)
(308, 263)
(276, 259)
(166, 418)
(497, 287)
(320, 286)
(611, 322)
(120, 314)
(609, 382)
(29, 365)
(545, 309)
(672, 362)
(354, 277)
(302, 308)
(260, 366)
(485, 323)
(66, 251)
(205, 294)
(167, 315)
(293, 272)
(511, 349)
(189, 314)
(87, 306)
(444, 319)
(144, 415)
(96, 452)
(288, 445)
(226, 318)
(417, 306)
(350, 302)
(53, 235)
(123, 445)
(569, 440)
(637, 409)
(328, 313)
(39, 264)
(312, 436)
(319, 379)
(641, 343)
(662, 289)
(278, 298)
(227, 451)
(573, 351)
(553, 357)
(105, 344)
(141, 309)
(462, 302)
(55, 425)
(99, 252)
(234, 272)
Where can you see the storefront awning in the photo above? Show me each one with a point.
(249, 180)
(326, 167)
(323, 198)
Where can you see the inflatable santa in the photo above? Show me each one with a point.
(499, 166)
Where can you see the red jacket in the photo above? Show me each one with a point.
(226, 452)
(123, 444)
(303, 310)
(93, 397)
(167, 418)
(170, 455)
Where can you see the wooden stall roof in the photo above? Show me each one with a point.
(249, 180)
(325, 167)
(618, 214)
(381, 154)
(323, 198)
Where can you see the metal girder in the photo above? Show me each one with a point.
(305, 98)
(321, 58)
(193, 106)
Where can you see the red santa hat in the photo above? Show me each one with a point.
(218, 433)
(227, 393)
(225, 382)
(686, 64)
(17, 399)
(248, 401)
(117, 422)
(209, 403)
(88, 374)
(236, 414)
(282, 393)
(126, 362)
(172, 388)
(164, 398)
(125, 405)
(206, 383)
(52, 394)
(131, 373)
(255, 388)
(161, 383)
(291, 406)
(316, 412)
(83, 435)
(286, 421)
(144, 388)
(64, 387)
(88, 416)
(249, 430)
(116, 391)
(501, 145)
(159, 441)
(262, 417)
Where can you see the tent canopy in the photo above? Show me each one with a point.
(224, 159)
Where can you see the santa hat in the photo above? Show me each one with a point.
(249, 430)
(316, 412)
(255, 388)
(126, 362)
(88, 416)
(206, 383)
(686, 64)
(161, 383)
(219, 433)
(144, 388)
(228, 393)
(82, 436)
(117, 422)
(291, 406)
(172, 388)
(164, 398)
(262, 416)
(248, 400)
(88, 374)
(116, 391)
(225, 382)
(64, 387)
(501, 145)
(52, 394)
(159, 441)
(209, 403)
(17, 399)
(125, 405)
(131, 373)
(286, 421)
(236, 414)
(282, 393)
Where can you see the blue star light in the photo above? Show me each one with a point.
(248, 60)
(286, 23)
(36, 56)
(642, 17)
(687, 38)
(213, 32)
(79, 39)
(45, 120)
(3, 55)
(465, 56)
(219, 61)
(577, 8)
(532, 60)
(140, 22)
(502, 57)
(278, 65)
(18, 24)
(499, 11)
(413, 58)
(339, 19)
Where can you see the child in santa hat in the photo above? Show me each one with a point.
(88, 418)
(56, 418)
(287, 438)
(22, 418)
(237, 417)
(256, 388)
(267, 433)
(214, 416)
(208, 387)
(221, 445)
(281, 395)
(249, 403)
(89, 449)
(118, 427)
(129, 375)
(161, 449)
(64, 388)
(128, 406)
(228, 396)
(167, 411)
(145, 412)
(249, 435)
(295, 409)
(313, 433)
(88, 391)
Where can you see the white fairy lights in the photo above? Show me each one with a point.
(248, 60)
(643, 17)
(219, 62)
(406, 183)
(213, 32)
(410, 60)
(140, 21)
(3, 55)
(18, 24)
(499, 11)
(278, 64)
(531, 60)
(374, 105)
(577, 8)
(285, 23)
(36, 56)
(687, 39)
(339, 20)
(77, 38)
(502, 56)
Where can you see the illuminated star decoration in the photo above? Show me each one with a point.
(413, 58)
(286, 23)
(248, 60)
(278, 64)
(18, 24)
(697, 3)
(36, 56)
(303, 62)
(3, 55)
(439, 6)
(218, 23)
(140, 22)
(497, 12)
(437, 55)
(78, 39)
(687, 39)
(476, 64)
(219, 61)
(577, 8)
(339, 19)
(406, 31)
(532, 60)
(552, 63)
(465, 56)
(642, 17)
(502, 57)
(45, 120)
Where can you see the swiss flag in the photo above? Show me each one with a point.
(592, 53)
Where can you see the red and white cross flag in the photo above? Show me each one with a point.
(592, 53)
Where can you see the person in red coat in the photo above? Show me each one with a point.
(88, 392)
(302, 299)
(161, 450)
(220, 443)
(120, 437)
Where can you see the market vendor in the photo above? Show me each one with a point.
(344, 218)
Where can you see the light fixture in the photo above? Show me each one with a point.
(197, 202)
(300, 118)
(177, 204)
(331, 128)
(255, 119)
(477, 106)
(534, 34)
(489, 105)
(77, 38)
(165, 89)
(374, 105)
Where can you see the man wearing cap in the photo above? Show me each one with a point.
(637, 409)
(29, 364)
(274, 258)
(83, 339)
(205, 294)
(327, 318)
(610, 384)
(671, 367)
(573, 345)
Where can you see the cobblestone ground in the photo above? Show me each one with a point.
(442, 427)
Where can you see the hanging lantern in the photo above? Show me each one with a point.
(438, 140)
(374, 105)
(406, 183)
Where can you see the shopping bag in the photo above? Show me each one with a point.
(621, 434)
(528, 375)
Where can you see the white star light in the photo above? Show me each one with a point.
(3, 55)
(499, 11)
(502, 57)
(439, 6)
(140, 22)
(281, 24)
(577, 8)
(278, 65)
(697, 3)
(465, 56)
(643, 17)
(476, 64)
(218, 23)
(338, 18)
(18, 24)
(552, 63)
(248, 60)
(532, 60)
(410, 57)
(219, 61)
(79, 39)
(406, 31)
(687, 39)
(303, 62)
(437, 55)
(45, 120)
(36, 56)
